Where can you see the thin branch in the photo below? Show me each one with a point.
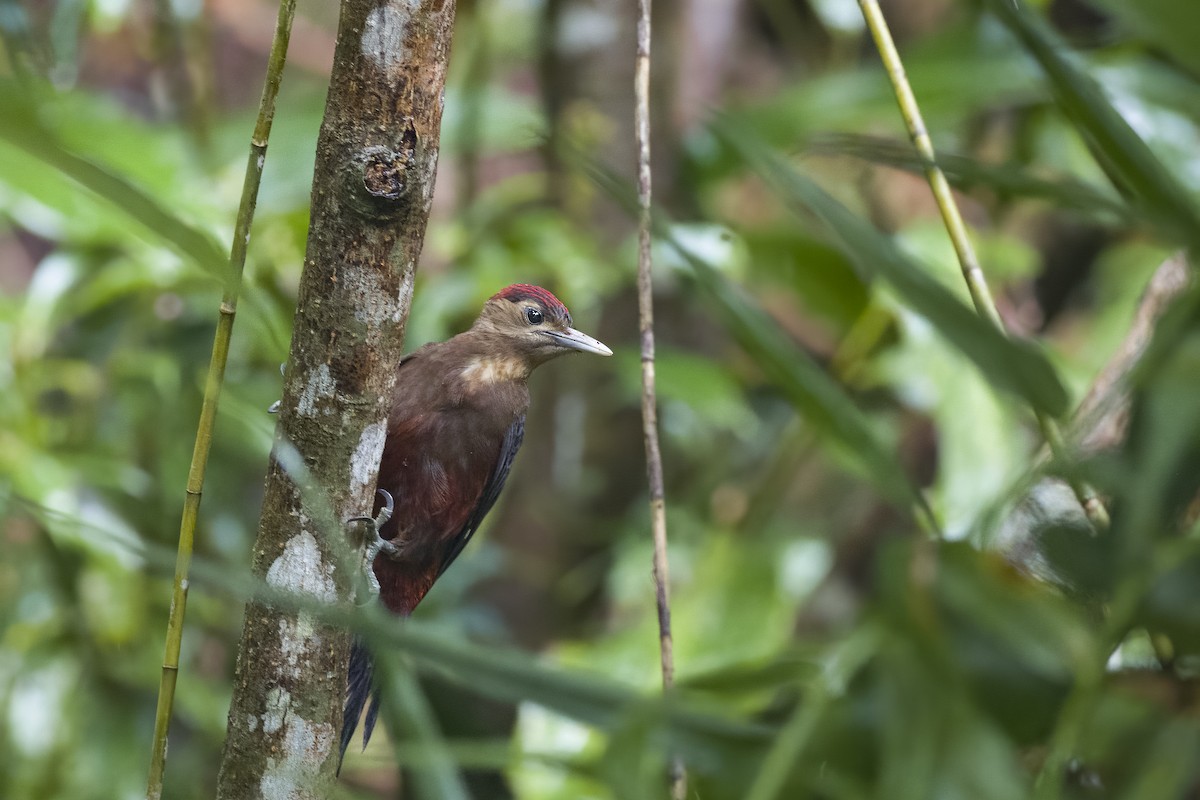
(1100, 424)
(981, 296)
(212, 393)
(654, 470)
(1102, 420)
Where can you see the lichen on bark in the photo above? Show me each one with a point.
(372, 187)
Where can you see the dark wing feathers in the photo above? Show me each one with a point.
(491, 491)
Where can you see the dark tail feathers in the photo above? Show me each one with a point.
(360, 686)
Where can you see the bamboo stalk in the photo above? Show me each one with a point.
(981, 296)
(212, 393)
(654, 470)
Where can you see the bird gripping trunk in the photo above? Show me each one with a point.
(372, 187)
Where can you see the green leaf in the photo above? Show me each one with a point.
(1169, 770)
(803, 731)
(755, 674)
(967, 173)
(21, 127)
(1013, 643)
(1008, 364)
(1170, 24)
(408, 713)
(816, 395)
(946, 71)
(702, 737)
(1128, 160)
(980, 453)
(819, 275)
(705, 387)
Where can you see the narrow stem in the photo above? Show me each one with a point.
(212, 393)
(976, 282)
(654, 470)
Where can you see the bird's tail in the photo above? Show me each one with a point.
(360, 687)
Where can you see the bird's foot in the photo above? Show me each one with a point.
(367, 531)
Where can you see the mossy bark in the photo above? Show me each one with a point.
(376, 162)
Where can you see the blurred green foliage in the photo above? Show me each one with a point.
(821, 380)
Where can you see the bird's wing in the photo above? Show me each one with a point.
(491, 490)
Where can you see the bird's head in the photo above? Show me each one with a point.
(529, 324)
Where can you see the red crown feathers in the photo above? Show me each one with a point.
(524, 291)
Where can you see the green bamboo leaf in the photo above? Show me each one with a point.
(840, 665)
(945, 73)
(703, 738)
(722, 744)
(21, 127)
(1008, 364)
(1168, 770)
(817, 396)
(408, 714)
(515, 677)
(785, 668)
(1170, 24)
(793, 739)
(1116, 146)
(967, 173)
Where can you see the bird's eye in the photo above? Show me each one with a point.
(533, 316)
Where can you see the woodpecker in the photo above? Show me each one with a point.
(456, 423)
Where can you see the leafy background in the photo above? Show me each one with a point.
(817, 376)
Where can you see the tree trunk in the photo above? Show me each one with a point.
(376, 160)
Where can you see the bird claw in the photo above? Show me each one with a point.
(374, 544)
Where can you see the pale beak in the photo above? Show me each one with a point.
(578, 340)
